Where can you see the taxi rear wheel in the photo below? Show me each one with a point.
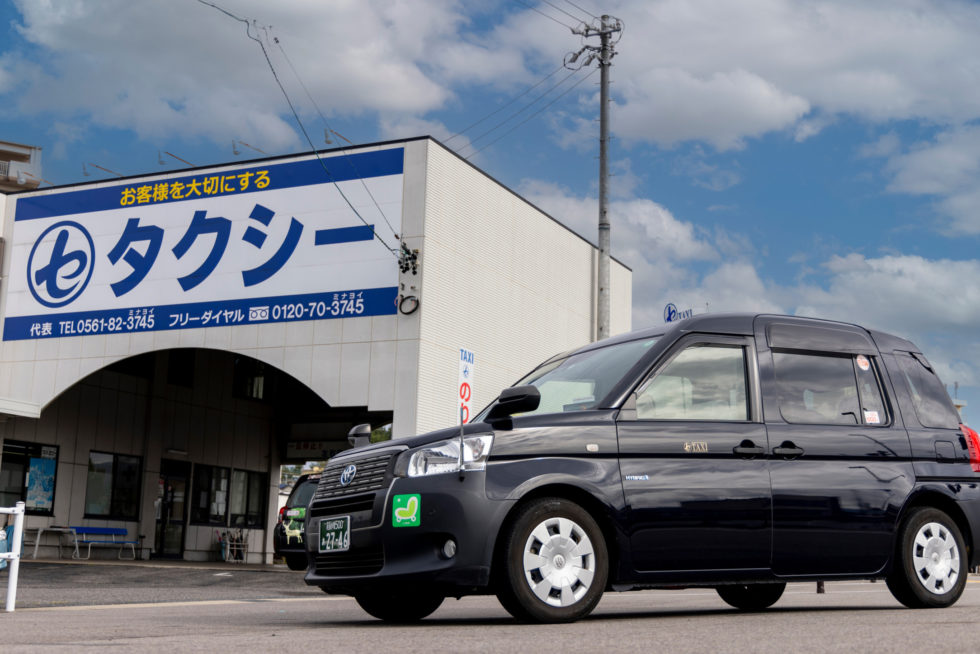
(553, 563)
(930, 569)
(399, 605)
(751, 597)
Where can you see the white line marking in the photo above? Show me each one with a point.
(152, 605)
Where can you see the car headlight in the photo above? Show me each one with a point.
(443, 457)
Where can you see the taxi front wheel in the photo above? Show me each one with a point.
(399, 605)
(553, 563)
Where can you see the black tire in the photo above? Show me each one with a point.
(555, 546)
(930, 567)
(398, 605)
(297, 561)
(751, 597)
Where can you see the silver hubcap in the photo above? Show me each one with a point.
(936, 558)
(559, 562)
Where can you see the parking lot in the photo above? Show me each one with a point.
(221, 607)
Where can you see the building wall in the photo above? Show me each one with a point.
(346, 361)
(501, 279)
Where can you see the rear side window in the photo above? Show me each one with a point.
(703, 382)
(827, 389)
(929, 396)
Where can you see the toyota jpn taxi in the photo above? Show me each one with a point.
(737, 452)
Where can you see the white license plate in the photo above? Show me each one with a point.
(335, 534)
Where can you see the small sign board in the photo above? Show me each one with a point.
(464, 389)
(672, 314)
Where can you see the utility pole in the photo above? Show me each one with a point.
(604, 52)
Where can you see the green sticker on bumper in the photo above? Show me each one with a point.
(406, 511)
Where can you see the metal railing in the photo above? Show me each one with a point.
(14, 546)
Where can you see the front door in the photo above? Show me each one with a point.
(693, 462)
(171, 509)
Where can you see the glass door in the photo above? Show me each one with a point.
(171, 509)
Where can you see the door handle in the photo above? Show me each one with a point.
(788, 450)
(748, 449)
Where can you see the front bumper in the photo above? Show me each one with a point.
(384, 555)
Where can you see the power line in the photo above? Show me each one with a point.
(581, 9)
(521, 110)
(557, 8)
(559, 97)
(347, 156)
(316, 153)
(512, 101)
(532, 8)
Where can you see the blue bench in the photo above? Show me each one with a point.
(110, 536)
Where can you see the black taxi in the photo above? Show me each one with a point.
(736, 452)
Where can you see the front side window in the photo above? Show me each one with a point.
(705, 381)
(113, 486)
(828, 389)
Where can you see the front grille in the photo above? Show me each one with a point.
(362, 561)
(370, 476)
(341, 506)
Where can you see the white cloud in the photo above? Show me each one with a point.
(670, 105)
(885, 145)
(163, 68)
(948, 168)
(714, 71)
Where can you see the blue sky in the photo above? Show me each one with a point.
(819, 157)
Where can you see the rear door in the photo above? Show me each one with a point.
(692, 461)
(840, 461)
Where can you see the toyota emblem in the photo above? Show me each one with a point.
(347, 476)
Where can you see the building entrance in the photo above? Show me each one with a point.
(171, 509)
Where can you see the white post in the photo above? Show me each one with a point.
(13, 553)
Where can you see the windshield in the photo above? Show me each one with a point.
(580, 381)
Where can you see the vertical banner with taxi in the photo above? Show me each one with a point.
(465, 386)
(276, 241)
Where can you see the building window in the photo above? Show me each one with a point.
(27, 474)
(210, 505)
(248, 492)
(250, 379)
(113, 488)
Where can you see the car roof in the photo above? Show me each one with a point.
(739, 324)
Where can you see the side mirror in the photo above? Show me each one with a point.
(516, 399)
(359, 435)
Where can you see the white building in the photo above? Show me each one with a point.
(20, 167)
(169, 340)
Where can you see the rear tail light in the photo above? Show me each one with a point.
(973, 443)
(282, 511)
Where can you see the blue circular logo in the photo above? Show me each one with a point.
(670, 312)
(347, 476)
(61, 264)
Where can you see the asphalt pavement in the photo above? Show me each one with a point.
(50, 583)
(219, 607)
